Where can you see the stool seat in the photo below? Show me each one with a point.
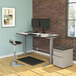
(18, 42)
(15, 42)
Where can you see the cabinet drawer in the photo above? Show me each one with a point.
(58, 53)
(57, 61)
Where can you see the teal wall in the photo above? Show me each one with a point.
(23, 23)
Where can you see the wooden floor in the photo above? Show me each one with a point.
(37, 70)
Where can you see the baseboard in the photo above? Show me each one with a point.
(20, 53)
(11, 55)
(42, 53)
(29, 52)
(74, 62)
(47, 54)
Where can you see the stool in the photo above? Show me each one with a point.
(14, 62)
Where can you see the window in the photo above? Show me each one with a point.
(71, 18)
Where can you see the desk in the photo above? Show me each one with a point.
(47, 36)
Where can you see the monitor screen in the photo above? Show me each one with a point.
(35, 22)
(44, 23)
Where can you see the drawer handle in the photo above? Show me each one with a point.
(57, 56)
(58, 51)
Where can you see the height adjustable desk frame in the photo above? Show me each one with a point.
(50, 37)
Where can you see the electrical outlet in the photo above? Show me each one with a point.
(37, 48)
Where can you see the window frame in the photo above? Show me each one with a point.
(67, 9)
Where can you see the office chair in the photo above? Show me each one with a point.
(14, 62)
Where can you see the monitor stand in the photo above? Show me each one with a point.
(43, 30)
(36, 32)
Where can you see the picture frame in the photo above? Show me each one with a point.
(8, 17)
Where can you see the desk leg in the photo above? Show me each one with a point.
(24, 50)
(24, 44)
(51, 52)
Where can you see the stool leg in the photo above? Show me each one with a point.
(14, 57)
(14, 62)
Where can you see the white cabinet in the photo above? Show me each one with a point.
(62, 57)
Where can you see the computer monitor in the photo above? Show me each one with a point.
(35, 23)
(41, 23)
(44, 23)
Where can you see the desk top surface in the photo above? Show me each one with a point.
(38, 34)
